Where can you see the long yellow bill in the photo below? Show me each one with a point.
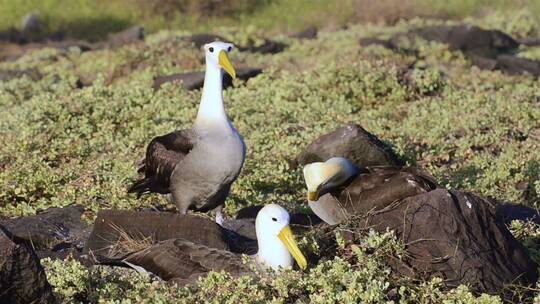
(286, 236)
(312, 196)
(226, 64)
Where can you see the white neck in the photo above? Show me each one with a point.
(272, 252)
(211, 110)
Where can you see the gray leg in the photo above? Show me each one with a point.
(219, 215)
(180, 201)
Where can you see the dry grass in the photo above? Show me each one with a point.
(128, 243)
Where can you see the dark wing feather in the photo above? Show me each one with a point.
(377, 187)
(162, 155)
(113, 228)
(185, 261)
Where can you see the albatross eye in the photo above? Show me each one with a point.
(274, 219)
(229, 49)
(211, 49)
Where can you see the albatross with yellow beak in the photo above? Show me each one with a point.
(197, 166)
(195, 246)
(338, 189)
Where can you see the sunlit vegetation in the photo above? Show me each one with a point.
(475, 130)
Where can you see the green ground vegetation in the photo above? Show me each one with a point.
(474, 130)
(93, 19)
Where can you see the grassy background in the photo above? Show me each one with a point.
(475, 130)
(93, 19)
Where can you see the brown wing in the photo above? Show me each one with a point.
(377, 187)
(162, 155)
(117, 233)
(184, 261)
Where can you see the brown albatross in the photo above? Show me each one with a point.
(184, 247)
(196, 167)
(338, 189)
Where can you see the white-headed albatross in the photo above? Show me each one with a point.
(188, 253)
(338, 189)
(197, 166)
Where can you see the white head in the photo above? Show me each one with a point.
(320, 177)
(217, 56)
(277, 245)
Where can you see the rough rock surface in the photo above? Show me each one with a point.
(195, 80)
(487, 49)
(352, 142)
(56, 232)
(509, 212)
(22, 279)
(267, 47)
(127, 36)
(307, 33)
(7, 75)
(471, 39)
(456, 236)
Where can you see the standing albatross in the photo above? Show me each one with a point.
(338, 189)
(197, 166)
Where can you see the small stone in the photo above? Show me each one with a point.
(131, 35)
(352, 142)
(307, 33)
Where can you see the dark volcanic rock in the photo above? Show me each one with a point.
(376, 41)
(195, 80)
(22, 278)
(189, 80)
(198, 40)
(308, 33)
(6, 75)
(471, 39)
(352, 142)
(516, 65)
(456, 236)
(55, 232)
(267, 47)
(31, 25)
(509, 212)
(130, 35)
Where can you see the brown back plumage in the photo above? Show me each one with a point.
(162, 155)
(172, 246)
(114, 230)
(185, 261)
(377, 187)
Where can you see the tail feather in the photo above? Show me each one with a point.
(147, 185)
(141, 187)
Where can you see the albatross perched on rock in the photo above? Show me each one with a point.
(197, 166)
(184, 247)
(338, 189)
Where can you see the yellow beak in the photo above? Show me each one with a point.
(312, 195)
(286, 236)
(226, 64)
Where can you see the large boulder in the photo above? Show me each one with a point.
(352, 142)
(131, 35)
(56, 232)
(456, 236)
(471, 39)
(510, 212)
(307, 33)
(22, 278)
